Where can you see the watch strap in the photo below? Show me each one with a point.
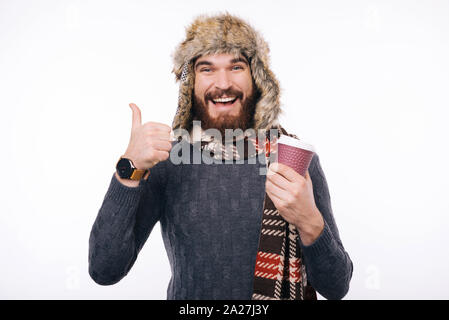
(138, 174)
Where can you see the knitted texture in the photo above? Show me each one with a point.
(210, 217)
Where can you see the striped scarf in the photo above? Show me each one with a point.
(279, 271)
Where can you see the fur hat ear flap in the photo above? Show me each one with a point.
(267, 108)
(183, 116)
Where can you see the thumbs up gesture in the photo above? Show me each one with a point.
(149, 142)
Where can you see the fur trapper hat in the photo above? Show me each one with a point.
(225, 33)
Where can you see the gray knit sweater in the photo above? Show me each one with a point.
(210, 216)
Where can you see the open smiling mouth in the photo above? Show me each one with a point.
(222, 102)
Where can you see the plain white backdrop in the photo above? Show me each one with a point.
(366, 82)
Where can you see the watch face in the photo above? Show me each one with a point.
(124, 168)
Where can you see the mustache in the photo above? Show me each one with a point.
(231, 92)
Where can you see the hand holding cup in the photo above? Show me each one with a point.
(290, 188)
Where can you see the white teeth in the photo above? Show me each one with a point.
(224, 99)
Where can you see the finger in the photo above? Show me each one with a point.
(161, 137)
(137, 116)
(158, 126)
(161, 145)
(287, 172)
(157, 134)
(275, 190)
(278, 180)
(308, 178)
(274, 198)
(162, 155)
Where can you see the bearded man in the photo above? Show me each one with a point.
(230, 232)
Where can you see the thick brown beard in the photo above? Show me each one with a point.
(244, 120)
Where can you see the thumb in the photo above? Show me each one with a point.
(137, 116)
(307, 176)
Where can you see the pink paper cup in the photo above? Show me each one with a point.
(295, 153)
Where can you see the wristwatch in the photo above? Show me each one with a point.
(126, 170)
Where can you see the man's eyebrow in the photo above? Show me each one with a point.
(208, 63)
(204, 62)
(239, 59)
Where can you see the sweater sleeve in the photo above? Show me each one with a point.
(329, 267)
(123, 224)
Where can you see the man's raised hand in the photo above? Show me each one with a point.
(149, 142)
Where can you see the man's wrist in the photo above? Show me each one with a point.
(127, 182)
(311, 229)
(136, 164)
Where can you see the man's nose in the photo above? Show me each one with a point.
(223, 80)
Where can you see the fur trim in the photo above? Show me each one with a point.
(225, 33)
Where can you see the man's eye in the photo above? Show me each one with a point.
(205, 70)
(237, 68)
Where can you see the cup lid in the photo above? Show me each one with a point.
(287, 140)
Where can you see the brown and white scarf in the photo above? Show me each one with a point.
(280, 273)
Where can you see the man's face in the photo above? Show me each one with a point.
(224, 94)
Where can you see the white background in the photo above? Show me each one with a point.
(366, 82)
